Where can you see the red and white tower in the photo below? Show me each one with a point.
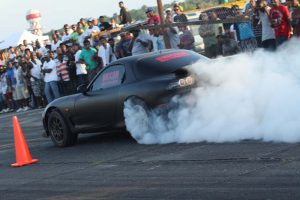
(34, 19)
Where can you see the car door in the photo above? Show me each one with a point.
(96, 108)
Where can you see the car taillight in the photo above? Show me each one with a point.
(183, 82)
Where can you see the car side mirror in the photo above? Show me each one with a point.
(82, 88)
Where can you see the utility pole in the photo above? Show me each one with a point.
(162, 21)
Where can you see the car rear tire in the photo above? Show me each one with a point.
(59, 130)
(140, 107)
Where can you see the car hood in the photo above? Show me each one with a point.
(63, 101)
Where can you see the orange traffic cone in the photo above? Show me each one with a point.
(23, 156)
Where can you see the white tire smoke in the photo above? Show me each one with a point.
(249, 96)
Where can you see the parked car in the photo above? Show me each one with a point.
(149, 80)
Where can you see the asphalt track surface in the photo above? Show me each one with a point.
(114, 166)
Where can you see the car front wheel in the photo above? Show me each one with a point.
(59, 131)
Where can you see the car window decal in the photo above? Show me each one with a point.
(110, 79)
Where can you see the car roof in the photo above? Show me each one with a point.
(147, 56)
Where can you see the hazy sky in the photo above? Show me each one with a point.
(55, 13)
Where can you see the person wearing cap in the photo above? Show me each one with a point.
(180, 16)
(168, 12)
(91, 28)
(153, 18)
(125, 17)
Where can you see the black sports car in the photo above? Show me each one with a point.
(150, 80)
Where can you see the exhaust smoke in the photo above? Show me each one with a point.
(249, 96)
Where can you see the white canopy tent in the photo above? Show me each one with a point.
(17, 38)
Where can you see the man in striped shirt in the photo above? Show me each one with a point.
(63, 74)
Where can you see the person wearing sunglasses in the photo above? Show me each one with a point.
(180, 16)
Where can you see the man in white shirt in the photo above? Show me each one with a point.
(80, 67)
(67, 31)
(104, 52)
(268, 33)
(92, 28)
(50, 78)
(41, 49)
(140, 43)
(55, 43)
(157, 40)
(172, 33)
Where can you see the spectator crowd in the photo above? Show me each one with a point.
(33, 75)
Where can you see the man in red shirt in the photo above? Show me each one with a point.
(281, 21)
(153, 19)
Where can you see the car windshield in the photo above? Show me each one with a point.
(165, 63)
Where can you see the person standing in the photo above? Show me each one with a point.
(88, 57)
(250, 11)
(268, 33)
(243, 33)
(172, 33)
(280, 21)
(63, 74)
(75, 34)
(81, 72)
(3, 90)
(209, 34)
(180, 16)
(36, 80)
(55, 43)
(104, 52)
(50, 78)
(153, 18)
(112, 53)
(296, 18)
(67, 33)
(125, 17)
(91, 28)
(27, 46)
(157, 40)
(122, 49)
(187, 39)
(104, 25)
(140, 43)
(21, 90)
